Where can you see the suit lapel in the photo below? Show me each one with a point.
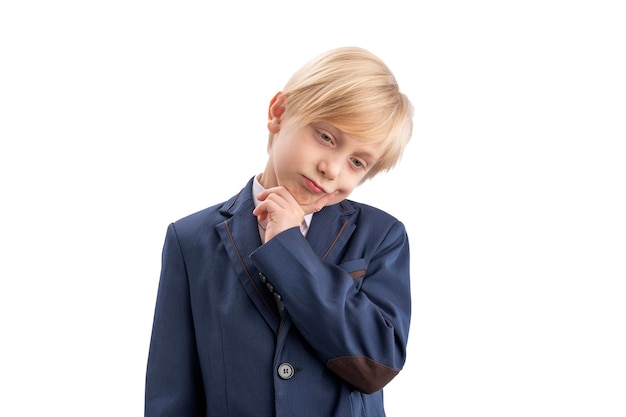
(330, 230)
(240, 237)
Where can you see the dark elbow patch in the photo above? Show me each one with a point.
(364, 374)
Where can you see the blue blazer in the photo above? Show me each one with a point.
(313, 326)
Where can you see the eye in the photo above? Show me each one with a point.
(326, 137)
(357, 163)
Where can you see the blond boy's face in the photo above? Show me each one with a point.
(317, 159)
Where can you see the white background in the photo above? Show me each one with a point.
(119, 117)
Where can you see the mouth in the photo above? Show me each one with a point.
(313, 186)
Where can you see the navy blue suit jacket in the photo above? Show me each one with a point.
(223, 346)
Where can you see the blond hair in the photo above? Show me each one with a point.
(355, 91)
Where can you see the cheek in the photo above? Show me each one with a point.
(292, 156)
(349, 185)
(343, 194)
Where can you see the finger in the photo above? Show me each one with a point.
(280, 196)
(273, 203)
(319, 204)
(279, 190)
(261, 215)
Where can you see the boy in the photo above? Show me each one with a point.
(288, 299)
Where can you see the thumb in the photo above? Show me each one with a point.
(319, 204)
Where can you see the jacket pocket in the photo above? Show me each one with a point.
(355, 268)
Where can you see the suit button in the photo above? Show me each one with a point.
(285, 371)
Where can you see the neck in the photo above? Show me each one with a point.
(268, 178)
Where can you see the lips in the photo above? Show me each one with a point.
(313, 186)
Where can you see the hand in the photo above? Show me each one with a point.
(282, 211)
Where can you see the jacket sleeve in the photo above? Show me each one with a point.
(173, 382)
(355, 315)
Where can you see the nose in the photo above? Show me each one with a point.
(329, 167)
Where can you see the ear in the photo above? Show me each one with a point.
(275, 112)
